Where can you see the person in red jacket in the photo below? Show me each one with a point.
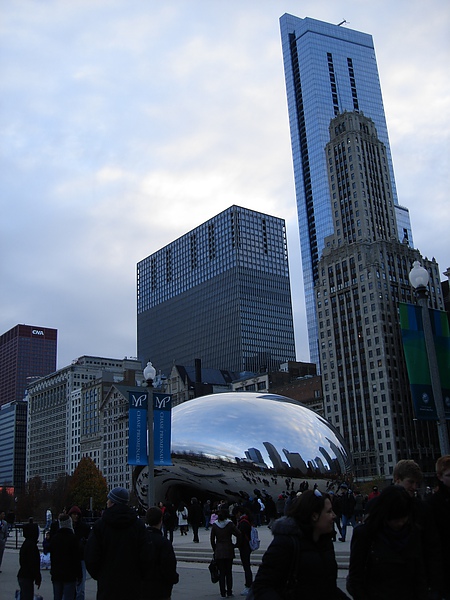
(245, 527)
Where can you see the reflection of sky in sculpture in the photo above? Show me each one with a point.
(239, 424)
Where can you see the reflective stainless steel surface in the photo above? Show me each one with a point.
(228, 444)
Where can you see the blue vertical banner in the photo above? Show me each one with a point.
(137, 434)
(162, 429)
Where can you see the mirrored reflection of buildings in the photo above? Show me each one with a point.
(229, 444)
(220, 293)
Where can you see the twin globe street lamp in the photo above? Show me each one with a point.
(419, 278)
(149, 376)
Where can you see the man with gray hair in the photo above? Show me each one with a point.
(116, 552)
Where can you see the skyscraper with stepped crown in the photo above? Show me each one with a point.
(329, 69)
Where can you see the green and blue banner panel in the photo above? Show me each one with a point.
(417, 358)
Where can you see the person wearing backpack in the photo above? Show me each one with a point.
(245, 527)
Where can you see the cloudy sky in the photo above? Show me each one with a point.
(126, 123)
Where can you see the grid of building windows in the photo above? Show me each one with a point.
(55, 416)
(220, 293)
(328, 70)
(114, 422)
(363, 276)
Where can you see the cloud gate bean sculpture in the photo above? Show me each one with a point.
(238, 444)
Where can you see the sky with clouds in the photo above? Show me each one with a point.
(126, 123)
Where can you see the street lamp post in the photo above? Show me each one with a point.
(149, 376)
(419, 278)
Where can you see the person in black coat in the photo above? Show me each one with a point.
(221, 539)
(160, 579)
(116, 553)
(386, 558)
(65, 569)
(29, 561)
(170, 520)
(195, 518)
(300, 560)
(347, 504)
(81, 530)
(439, 504)
(408, 474)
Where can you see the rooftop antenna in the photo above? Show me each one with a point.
(342, 22)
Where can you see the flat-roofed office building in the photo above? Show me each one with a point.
(220, 293)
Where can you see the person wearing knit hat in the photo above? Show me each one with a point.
(65, 560)
(119, 495)
(117, 553)
(74, 511)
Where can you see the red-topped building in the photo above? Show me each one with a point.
(26, 352)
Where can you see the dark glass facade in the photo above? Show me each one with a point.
(26, 351)
(220, 293)
(13, 443)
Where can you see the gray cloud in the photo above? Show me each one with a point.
(125, 124)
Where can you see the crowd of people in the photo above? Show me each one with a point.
(400, 543)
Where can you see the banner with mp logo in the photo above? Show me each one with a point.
(162, 428)
(137, 427)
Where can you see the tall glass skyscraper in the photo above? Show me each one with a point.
(329, 70)
(219, 293)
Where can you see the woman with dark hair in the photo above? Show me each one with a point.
(221, 536)
(300, 561)
(386, 557)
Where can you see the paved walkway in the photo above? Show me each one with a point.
(194, 576)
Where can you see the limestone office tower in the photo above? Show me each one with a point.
(220, 293)
(328, 70)
(357, 246)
